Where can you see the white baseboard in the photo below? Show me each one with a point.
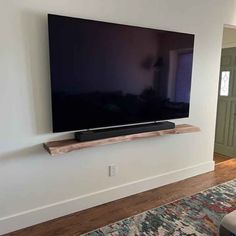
(62, 208)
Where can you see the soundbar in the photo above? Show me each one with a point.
(90, 135)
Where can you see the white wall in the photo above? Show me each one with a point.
(35, 187)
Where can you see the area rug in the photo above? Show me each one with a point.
(196, 215)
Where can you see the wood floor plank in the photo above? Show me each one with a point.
(87, 220)
(218, 158)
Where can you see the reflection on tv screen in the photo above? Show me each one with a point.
(105, 74)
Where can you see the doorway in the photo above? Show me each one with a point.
(225, 138)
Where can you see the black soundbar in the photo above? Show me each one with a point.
(90, 135)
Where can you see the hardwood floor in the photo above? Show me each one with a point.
(218, 158)
(93, 218)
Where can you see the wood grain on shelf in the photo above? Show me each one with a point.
(64, 146)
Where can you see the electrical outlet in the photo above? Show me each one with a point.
(112, 170)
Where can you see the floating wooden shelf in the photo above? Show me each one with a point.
(64, 146)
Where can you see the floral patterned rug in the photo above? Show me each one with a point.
(196, 215)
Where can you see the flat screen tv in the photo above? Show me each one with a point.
(108, 75)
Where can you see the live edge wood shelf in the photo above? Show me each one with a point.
(60, 147)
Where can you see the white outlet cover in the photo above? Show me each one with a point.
(112, 170)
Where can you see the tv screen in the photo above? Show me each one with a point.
(106, 75)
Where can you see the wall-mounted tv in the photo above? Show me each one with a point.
(106, 75)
